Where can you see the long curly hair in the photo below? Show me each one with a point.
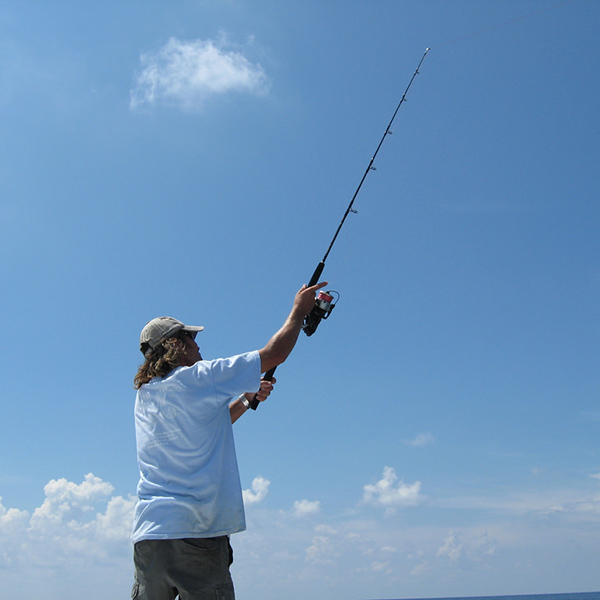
(163, 359)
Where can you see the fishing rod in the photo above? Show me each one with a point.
(324, 301)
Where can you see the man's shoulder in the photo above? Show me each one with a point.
(230, 361)
(204, 366)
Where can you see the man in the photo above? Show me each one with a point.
(189, 494)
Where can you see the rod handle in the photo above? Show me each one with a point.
(268, 376)
(317, 274)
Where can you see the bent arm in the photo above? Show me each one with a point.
(279, 347)
(240, 405)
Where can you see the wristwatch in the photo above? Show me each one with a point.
(244, 401)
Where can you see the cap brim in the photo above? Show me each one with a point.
(193, 328)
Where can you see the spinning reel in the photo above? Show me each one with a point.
(321, 310)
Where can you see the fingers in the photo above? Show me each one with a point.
(266, 387)
(318, 286)
(314, 288)
(305, 298)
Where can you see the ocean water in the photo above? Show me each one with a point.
(578, 596)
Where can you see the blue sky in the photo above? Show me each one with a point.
(438, 436)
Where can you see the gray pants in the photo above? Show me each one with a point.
(194, 568)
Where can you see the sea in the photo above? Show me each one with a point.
(577, 596)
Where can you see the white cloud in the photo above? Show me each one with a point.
(386, 493)
(68, 526)
(259, 491)
(305, 508)
(324, 546)
(472, 545)
(187, 73)
(378, 566)
(79, 540)
(65, 498)
(423, 568)
(116, 521)
(451, 548)
(422, 439)
(571, 503)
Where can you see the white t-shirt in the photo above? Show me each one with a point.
(189, 481)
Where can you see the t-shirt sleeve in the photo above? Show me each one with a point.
(235, 375)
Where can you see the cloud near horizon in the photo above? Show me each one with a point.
(80, 533)
(386, 493)
(186, 74)
(82, 523)
(306, 508)
(259, 491)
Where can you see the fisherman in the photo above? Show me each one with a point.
(189, 493)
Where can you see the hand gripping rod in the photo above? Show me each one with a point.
(268, 376)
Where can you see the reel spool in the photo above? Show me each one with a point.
(321, 310)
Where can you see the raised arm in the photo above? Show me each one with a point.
(279, 347)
